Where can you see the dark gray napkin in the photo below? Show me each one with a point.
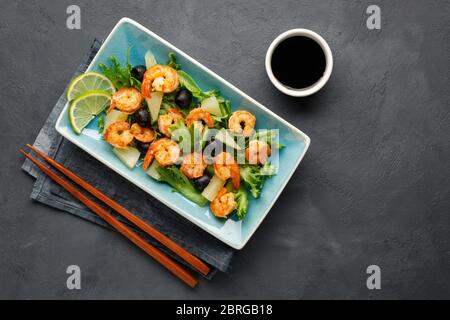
(197, 241)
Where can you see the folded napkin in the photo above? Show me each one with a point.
(197, 241)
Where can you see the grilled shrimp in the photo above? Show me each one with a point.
(193, 165)
(164, 150)
(142, 134)
(257, 152)
(118, 134)
(223, 204)
(127, 100)
(159, 78)
(168, 119)
(242, 122)
(225, 167)
(200, 114)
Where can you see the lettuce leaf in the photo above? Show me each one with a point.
(254, 176)
(180, 183)
(269, 136)
(187, 82)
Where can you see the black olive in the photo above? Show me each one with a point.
(183, 98)
(138, 72)
(142, 117)
(142, 147)
(202, 182)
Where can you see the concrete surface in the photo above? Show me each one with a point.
(373, 189)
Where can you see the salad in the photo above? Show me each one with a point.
(157, 119)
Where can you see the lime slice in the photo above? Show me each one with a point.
(85, 107)
(89, 81)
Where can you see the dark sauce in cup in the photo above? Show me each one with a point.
(298, 62)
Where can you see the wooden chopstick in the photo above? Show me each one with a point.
(167, 262)
(170, 244)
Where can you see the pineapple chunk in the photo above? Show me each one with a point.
(212, 189)
(150, 60)
(212, 106)
(154, 104)
(129, 156)
(152, 171)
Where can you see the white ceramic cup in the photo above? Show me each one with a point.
(300, 92)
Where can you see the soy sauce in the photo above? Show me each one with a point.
(298, 62)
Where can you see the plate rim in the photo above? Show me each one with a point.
(306, 138)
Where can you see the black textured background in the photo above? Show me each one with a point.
(373, 189)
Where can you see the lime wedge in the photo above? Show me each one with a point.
(85, 107)
(89, 81)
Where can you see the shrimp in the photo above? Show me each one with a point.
(225, 167)
(159, 78)
(193, 165)
(168, 119)
(200, 114)
(127, 100)
(223, 204)
(242, 122)
(257, 152)
(142, 134)
(118, 134)
(164, 150)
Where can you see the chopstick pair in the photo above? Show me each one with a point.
(166, 261)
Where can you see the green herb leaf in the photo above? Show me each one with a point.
(269, 136)
(101, 123)
(120, 76)
(187, 82)
(172, 62)
(241, 197)
(254, 176)
(225, 107)
(180, 183)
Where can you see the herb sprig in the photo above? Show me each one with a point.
(120, 76)
(172, 61)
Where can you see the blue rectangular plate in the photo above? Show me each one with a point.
(236, 234)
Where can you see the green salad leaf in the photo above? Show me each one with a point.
(182, 135)
(225, 110)
(172, 61)
(101, 123)
(180, 183)
(241, 197)
(190, 139)
(210, 169)
(225, 107)
(187, 82)
(120, 76)
(254, 176)
(269, 136)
